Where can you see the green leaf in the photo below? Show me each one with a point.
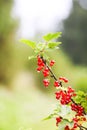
(78, 99)
(49, 117)
(52, 36)
(81, 93)
(31, 57)
(29, 43)
(53, 45)
(84, 104)
(40, 46)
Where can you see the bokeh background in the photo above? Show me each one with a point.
(24, 101)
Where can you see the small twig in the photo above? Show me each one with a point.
(52, 74)
(77, 104)
(82, 127)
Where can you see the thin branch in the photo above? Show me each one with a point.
(82, 127)
(52, 74)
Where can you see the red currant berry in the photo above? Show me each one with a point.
(46, 82)
(70, 90)
(67, 127)
(40, 61)
(75, 119)
(66, 80)
(63, 79)
(84, 119)
(75, 125)
(52, 62)
(46, 72)
(58, 120)
(63, 102)
(39, 68)
(56, 84)
(58, 94)
(74, 94)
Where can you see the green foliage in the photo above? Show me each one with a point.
(41, 48)
(29, 43)
(53, 45)
(81, 98)
(49, 117)
(44, 46)
(52, 36)
(32, 57)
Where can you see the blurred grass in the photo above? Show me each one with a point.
(24, 110)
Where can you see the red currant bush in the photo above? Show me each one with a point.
(71, 110)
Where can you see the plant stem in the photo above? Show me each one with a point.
(52, 74)
(82, 127)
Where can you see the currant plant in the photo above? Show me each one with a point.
(71, 110)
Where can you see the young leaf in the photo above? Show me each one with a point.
(81, 93)
(29, 43)
(40, 46)
(49, 117)
(53, 45)
(52, 36)
(84, 104)
(31, 57)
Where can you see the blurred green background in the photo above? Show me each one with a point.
(24, 101)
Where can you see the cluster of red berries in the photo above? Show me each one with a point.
(45, 70)
(65, 96)
(75, 120)
(46, 82)
(78, 108)
(61, 79)
(75, 125)
(59, 119)
(40, 64)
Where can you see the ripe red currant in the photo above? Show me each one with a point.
(63, 79)
(58, 94)
(46, 72)
(46, 82)
(52, 62)
(84, 119)
(75, 125)
(56, 84)
(58, 120)
(67, 127)
(39, 68)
